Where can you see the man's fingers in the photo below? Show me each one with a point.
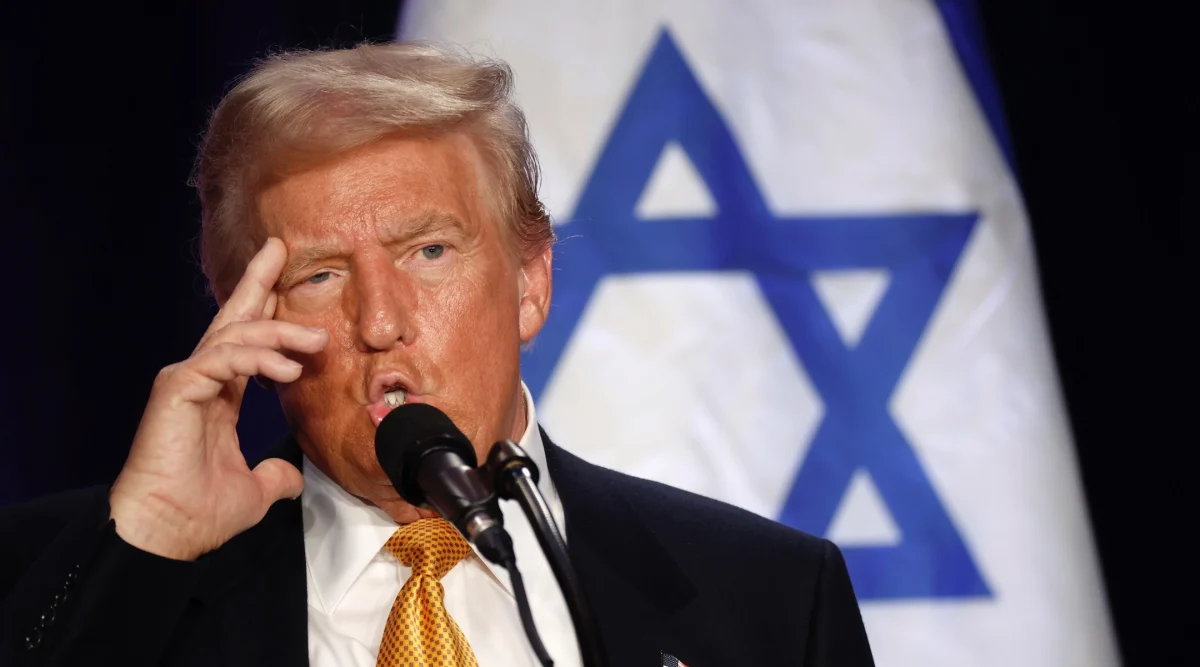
(250, 297)
(201, 378)
(272, 334)
(268, 311)
(278, 479)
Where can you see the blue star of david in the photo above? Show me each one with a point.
(920, 251)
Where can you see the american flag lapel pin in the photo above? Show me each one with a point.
(669, 660)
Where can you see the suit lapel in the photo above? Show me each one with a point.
(643, 600)
(257, 585)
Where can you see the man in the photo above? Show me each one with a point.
(372, 233)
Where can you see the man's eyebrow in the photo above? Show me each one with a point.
(298, 260)
(421, 225)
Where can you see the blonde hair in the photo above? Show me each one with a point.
(297, 108)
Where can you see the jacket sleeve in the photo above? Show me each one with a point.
(836, 636)
(84, 596)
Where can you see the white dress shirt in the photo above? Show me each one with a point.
(352, 581)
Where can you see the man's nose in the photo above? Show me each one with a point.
(385, 303)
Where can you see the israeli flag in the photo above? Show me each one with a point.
(795, 274)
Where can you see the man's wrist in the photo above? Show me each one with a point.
(152, 530)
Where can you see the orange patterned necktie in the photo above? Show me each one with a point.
(419, 631)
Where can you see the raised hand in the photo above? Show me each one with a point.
(186, 488)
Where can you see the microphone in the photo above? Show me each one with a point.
(431, 462)
(514, 475)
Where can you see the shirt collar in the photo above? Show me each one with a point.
(531, 442)
(343, 534)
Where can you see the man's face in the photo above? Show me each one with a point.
(395, 249)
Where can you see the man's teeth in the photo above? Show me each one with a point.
(394, 398)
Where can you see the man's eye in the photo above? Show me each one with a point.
(433, 251)
(317, 278)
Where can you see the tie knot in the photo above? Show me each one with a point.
(431, 547)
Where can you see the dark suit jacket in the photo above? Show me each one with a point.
(664, 570)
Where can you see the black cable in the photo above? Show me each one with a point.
(587, 633)
(514, 476)
(531, 632)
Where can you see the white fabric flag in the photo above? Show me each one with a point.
(795, 274)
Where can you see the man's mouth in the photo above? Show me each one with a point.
(391, 398)
(394, 398)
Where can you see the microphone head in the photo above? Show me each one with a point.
(409, 433)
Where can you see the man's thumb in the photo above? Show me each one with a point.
(279, 479)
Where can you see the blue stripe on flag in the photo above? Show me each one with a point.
(961, 18)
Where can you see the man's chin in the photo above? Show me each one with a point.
(402, 512)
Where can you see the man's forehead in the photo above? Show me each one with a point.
(388, 183)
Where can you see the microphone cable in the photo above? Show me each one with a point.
(526, 612)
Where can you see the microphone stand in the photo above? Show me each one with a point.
(514, 476)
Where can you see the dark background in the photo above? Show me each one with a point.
(101, 108)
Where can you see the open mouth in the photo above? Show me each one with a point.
(395, 396)
(392, 396)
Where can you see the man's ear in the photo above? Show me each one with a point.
(536, 288)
